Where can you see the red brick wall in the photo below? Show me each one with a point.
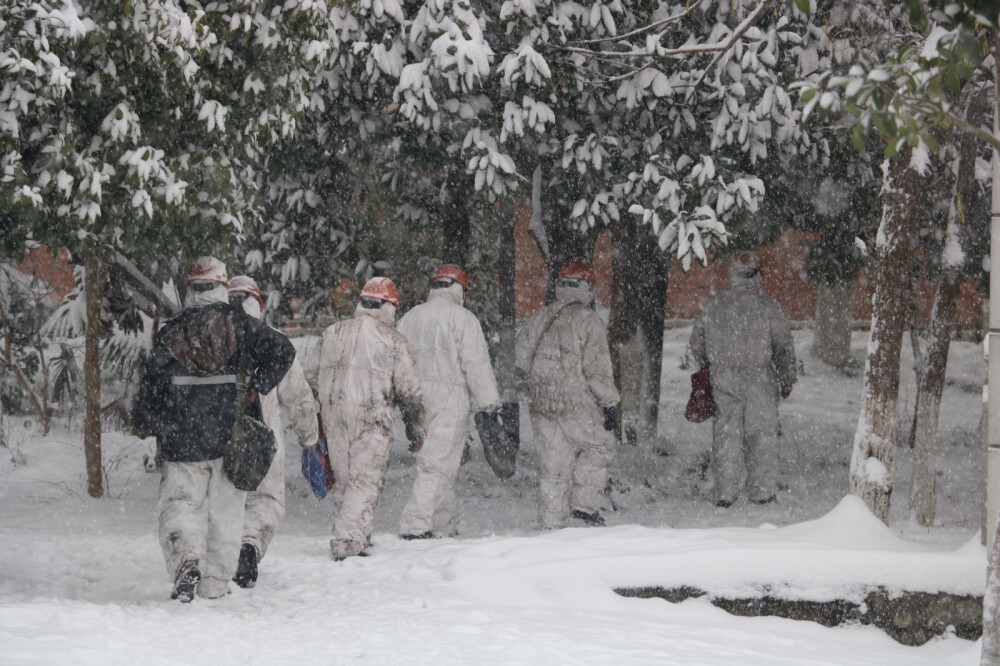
(56, 271)
(687, 292)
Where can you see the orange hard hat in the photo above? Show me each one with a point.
(381, 288)
(208, 269)
(577, 269)
(244, 284)
(453, 272)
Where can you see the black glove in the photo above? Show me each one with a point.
(493, 416)
(610, 418)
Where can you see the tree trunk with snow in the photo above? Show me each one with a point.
(635, 333)
(94, 294)
(832, 339)
(928, 404)
(873, 460)
(506, 374)
(991, 607)
(930, 384)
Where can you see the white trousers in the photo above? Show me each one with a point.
(574, 452)
(201, 519)
(433, 505)
(359, 443)
(745, 441)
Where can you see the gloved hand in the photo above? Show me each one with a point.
(610, 418)
(785, 389)
(492, 415)
(416, 446)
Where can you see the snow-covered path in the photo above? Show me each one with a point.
(82, 581)
(543, 599)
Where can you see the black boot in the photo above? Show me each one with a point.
(766, 500)
(246, 570)
(412, 537)
(594, 519)
(186, 582)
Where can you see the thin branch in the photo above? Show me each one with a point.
(931, 110)
(683, 50)
(676, 18)
(748, 22)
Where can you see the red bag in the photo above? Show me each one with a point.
(701, 405)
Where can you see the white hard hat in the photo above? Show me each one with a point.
(208, 269)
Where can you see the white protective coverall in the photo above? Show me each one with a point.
(745, 340)
(266, 506)
(564, 349)
(363, 367)
(454, 365)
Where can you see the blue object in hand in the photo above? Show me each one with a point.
(314, 470)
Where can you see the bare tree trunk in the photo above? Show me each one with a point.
(832, 340)
(873, 461)
(635, 334)
(928, 404)
(458, 206)
(506, 376)
(94, 292)
(931, 381)
(557, 237)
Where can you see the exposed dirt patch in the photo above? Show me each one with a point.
(912, 618)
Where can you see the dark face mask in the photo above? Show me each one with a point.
(371, 304)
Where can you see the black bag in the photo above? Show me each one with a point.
(500, 452)
(251, 449)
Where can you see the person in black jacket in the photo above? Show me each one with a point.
(187, 399)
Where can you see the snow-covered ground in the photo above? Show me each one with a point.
(82, 581)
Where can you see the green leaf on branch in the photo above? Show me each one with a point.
(884, 124)
(915, 10)
(951, 80)
(893, 147)
(858, 138)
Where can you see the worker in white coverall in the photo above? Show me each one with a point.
(574, 403)
(187, 399)
(362, 367)
(454, 365)
(744, 339)
(265, 507)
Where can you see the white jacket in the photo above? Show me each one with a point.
(564, 350)
(450, 349)
(745, 339)
(364, 363)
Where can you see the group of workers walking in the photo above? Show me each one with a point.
(433, 366)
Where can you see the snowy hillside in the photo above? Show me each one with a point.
(82, 581)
